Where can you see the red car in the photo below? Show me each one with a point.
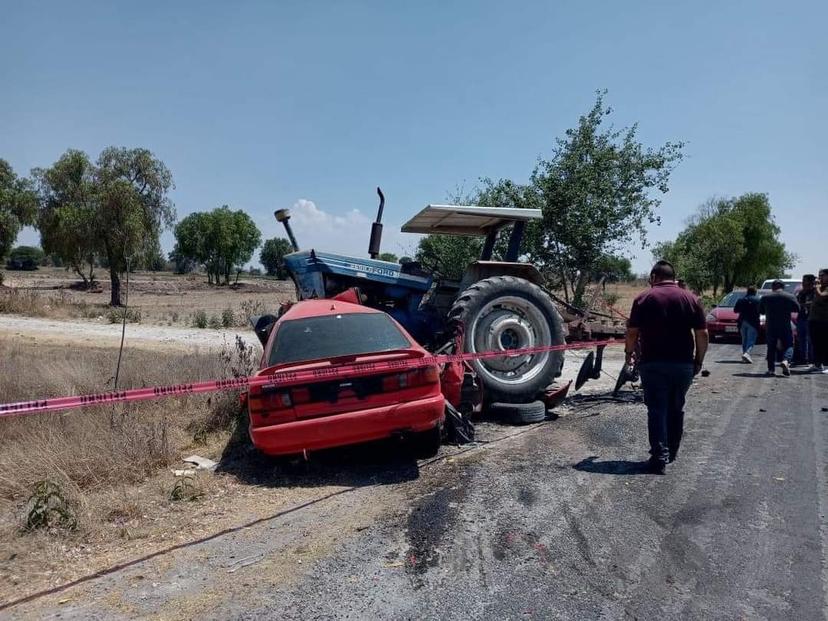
(320, 334)
(722, 322)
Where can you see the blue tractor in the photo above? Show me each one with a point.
(496, 305)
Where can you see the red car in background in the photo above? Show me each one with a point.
(321, 334)
(722, 322)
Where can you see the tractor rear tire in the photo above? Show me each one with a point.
(507, 312)
(519, 413)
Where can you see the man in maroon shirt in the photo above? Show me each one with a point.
(671, 325)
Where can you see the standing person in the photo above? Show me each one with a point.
(748, 310)
(803, 352)
(777, 307)
(818, 324)
(671, 326)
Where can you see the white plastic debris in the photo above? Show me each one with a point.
(201, 463)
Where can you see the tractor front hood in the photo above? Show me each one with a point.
(307, 268)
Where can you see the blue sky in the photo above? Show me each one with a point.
(264, 105)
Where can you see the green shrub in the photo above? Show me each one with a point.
(48, 508)
(116, 315)
(215, 322)
(186, 488)
(611, 298)
(228, 318)
(200, 319)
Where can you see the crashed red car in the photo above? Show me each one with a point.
(318, 334)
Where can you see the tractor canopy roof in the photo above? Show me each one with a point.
(466, 219)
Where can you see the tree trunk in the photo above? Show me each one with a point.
(580, 287)
(86, 283)
(115, 279)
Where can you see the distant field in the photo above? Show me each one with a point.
(158, 298)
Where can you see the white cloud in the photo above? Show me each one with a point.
(347, 233)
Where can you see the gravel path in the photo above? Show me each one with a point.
(106, 334)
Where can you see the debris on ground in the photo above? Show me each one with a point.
(201, 463)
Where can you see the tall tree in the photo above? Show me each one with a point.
(68, 213)
(115, 209)
(133, 208)
(18, 206)
(222, 240)
(729, 242)
(598, 192)
(272, 255)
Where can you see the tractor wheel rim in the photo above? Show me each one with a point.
(510, 323)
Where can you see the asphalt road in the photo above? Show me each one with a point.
(554, 521)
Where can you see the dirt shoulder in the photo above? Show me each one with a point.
(58, 332)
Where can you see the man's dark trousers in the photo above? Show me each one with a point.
(665, 388)
(780, 345)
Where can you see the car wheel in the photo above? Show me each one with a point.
(519, 413)
(427, 443)
(502, 313)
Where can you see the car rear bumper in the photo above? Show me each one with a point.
(349, 428)
(722, 328)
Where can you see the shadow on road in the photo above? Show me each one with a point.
(729, 362)
(619, 467)
(376, 463)
(756, 374)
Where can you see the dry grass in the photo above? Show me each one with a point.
(155, 298)
(94, 455)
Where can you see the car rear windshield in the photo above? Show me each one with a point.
(318, 338)
(729, 301)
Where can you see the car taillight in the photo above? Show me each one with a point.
(409, 379)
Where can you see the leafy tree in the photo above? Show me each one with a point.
(25, 258)
(67, 214)
(133, 208)
(597, 193)
(388, 256)
(222, 240)
(612, 268)
(448, 255)
(272, 254)
(728, 243)
(182, 264)
(114, 210)
(18, 206)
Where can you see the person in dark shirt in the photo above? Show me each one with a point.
(748, 310)
(777, 308)
(803, 350)
(671, 326)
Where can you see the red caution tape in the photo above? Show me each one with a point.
(280, 378)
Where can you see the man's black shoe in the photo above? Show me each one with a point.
(656, 466)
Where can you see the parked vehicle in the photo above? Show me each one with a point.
(319, 334)
(722, 321)
(791, 285)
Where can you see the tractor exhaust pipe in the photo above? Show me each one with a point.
(283, 216)
(376, 229)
